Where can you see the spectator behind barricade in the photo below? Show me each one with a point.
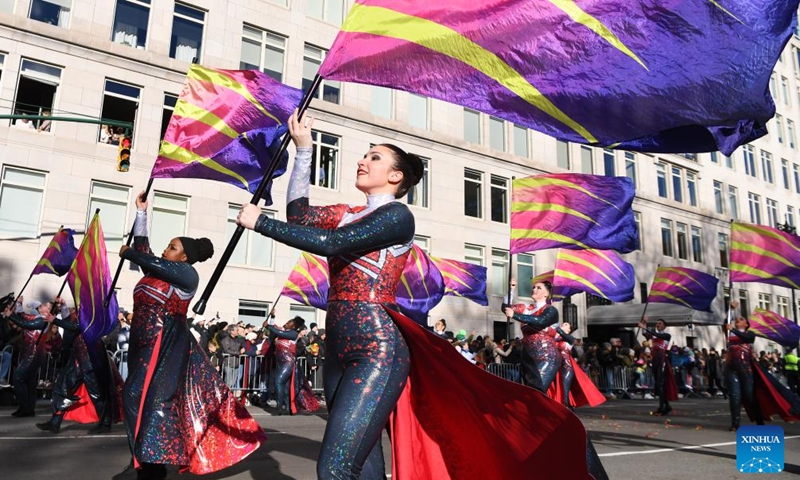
(500, 351)
(440, 327)
(628, 358)
(213, 356)
(608, 361)
(578, 352)
(231, 349)
(110, 340)
(481, 359)
(313, 331)
(250, 345)
(45, 125)
(52, 340)
(639, 372)
(200, 332)
(462, 346)
(23, 123)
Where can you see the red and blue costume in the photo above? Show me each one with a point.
(32, 354)
(572, 387)
(541, 361)
(666, 389)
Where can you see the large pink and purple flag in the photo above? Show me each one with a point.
(308, 282)
(572, 210)
(651, 75)
(463, 279)
(226, 126)
(421, 286)
(765, 255)
(773, 327)
(598, 272)
(59, 254)
(684, 286)
(559, 292)
(90, 278)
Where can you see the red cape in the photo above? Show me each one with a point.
(670, 387)
(524, 434)
(582, 391)
(83, 410)
(770, 399)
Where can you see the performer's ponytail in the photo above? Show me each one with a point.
(410, 165)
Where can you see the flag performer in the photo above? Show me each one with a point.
(572, 387)
(666, 389)
(739, 370)
(286, 359)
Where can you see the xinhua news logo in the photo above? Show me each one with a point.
(759, 449)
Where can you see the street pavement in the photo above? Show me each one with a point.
(692, 443)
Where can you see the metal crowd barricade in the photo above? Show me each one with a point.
(625, 381)
(47, 372)
(6, 356)
(120, 358)
(508, 371)
(254, 374)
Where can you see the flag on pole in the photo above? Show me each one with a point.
(773, 327)
(765, 255)
(308, 282)
(599, 272)
(684, 286)
(559, 292)
(90, 278)
(421, 286)
(226, 126)
(636, 75)
(571, 210)
(463, 279)
(59, 254)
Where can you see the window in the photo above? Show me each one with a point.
(772, 213)
(785, 172)
(587, 165)
(677, 188)
(169, 218)
(666, 237)
(661, 175)
(749, 160)
(130, 23)
(54, 12)
(773, 87)
(120, 102)
(499, 194)
(729, 161)
(697, 244)
(779, 128)
(497, 134)
(790, 133)
(630, 167)
(499, 271)
(790, 215)
(381, 102)
(187, 33)
(473, 254)
(796, 174)
(2, 60)
(419, 194)
(744, 305)
(112, 200)
(783, 307)
(785, 89)
(418, 111)
(609, 157)
(263, 50)
(309, 314)
(331, 11)
(473, 193)
(166, 113)
(423, 242)
(722, 241)
(765, 301)
(21, 194)
(733, 201)
(719, 202)
(325, 160)
(683, 241)
(472, 126)
(253, 312)
(520, 141)
(562, 154)
(637, 217)
(525, 269)
(715, 157)
(37, 88)
(691, 188)
(328, 90)
(766, 166)
(755, 207)
(253, 249)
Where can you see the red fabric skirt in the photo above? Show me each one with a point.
(582, 391)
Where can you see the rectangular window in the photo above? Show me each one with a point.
(331, 11)
(54, 12)
(263, 50)
(381, 101)
(21, 195)
(120, 102)
(796, 174)
(587, 163)
(254, 249)
(790, 133)
(525, 269)
(683, 240)
(691, 188)
(714, 157)
(499, 271)
(755, 207)
(722, 241)
(697, 244)
(779, 128)
(562, 154)
(733, 201)
(661, 176)
(497, 134)
(630, 167)
(785, 89)
(765, 301)
(772, 213)
(766, 166)
(131, 19)
(666, 237)
(419, 194)
(253, 312)
(637, 217)
(719, 201)
(328, 90)
(729, 161)
(325, 160)
(166, 113)
(790, 215)
(169, 219)
(186, 43)
(423, 243)
(677, 188)
(785, 173)
(473, 254)
(744, 305)
(499, 194)
(473, 193)
(418, 111)
(783, 307)
(36, 91)
(309, 314)
(112, 200)
(749, 160)
(520, 141)
(609, 158)
(773, 87)
(472, 126)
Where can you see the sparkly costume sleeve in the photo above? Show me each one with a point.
(565, 336)
(140, 241)
(298, 211)
(288, 334)
(747, 336)
(67, 324)
(661, 335)
(392, 224)
(301, 175)
(539, 322)
(180, 274)
(37, 323)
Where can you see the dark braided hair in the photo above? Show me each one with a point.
(205, 249)
(409, 164)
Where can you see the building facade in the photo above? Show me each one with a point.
(125, 61)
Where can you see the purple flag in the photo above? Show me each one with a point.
(421, 286)
(765, 255)
(599, 272)
(684, 286)
(463, 279)
(773, 327)
(308, 283)
(59, 254)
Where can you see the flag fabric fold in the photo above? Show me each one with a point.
(226, 126)
(463, 279)
(59, 254)
(598, 272)
(773, 327)
(576, 211)
(308, 282)
(765, 255)
(421, 286)
(684, 286)
(643, 75)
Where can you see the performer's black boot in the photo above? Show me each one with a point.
(52, 425)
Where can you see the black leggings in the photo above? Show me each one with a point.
(283, 378)
(740, 383)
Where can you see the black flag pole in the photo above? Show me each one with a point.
(200, 306)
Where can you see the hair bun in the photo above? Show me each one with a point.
(205, 249)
